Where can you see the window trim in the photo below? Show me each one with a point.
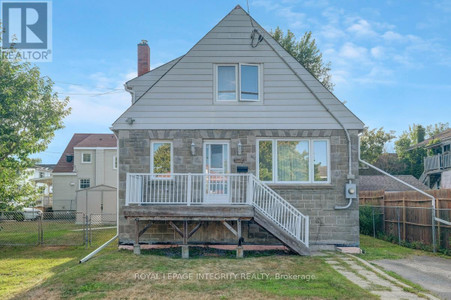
(258, 82)
(152, 156)
(79, 183)
(217, 82)
(311, 161)
(83, 158)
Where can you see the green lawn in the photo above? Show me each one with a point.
(49, 272)
(55, 232)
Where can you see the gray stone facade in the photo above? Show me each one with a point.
(327, 225)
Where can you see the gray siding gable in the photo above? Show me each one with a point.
(180, 94)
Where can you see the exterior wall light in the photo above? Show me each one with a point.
(193, 149)
(240, 148)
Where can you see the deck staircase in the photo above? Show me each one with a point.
(270, 210)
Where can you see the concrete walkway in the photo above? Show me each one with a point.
(372, 279)
(431, 273)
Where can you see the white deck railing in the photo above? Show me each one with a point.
(204, 189)
(437, 162)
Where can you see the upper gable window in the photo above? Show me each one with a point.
(249, 83)
(227, 83)
(238, 82)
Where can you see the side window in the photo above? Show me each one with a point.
(249, 83)
(85, 183)
(161, 157)
(226, 83)
(86, 157)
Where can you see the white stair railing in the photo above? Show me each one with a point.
(198, 189)
(279, 210)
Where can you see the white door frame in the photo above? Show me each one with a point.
(212, 198)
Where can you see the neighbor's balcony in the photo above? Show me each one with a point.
(437, 162)
(188, 189)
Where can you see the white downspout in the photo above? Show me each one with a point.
(412, 187)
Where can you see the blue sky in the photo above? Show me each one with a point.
(391, 60)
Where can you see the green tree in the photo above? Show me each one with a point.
(30, 113)
(372, 143)
(412, 157)
(435, 129)
(162, 158)
(307, 53)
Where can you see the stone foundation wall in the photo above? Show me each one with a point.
(327, 225)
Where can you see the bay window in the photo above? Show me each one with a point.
(293, 160)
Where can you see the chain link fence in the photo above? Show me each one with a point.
(407, 226)
(31, 228)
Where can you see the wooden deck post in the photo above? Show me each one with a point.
(185, 247)
(136, 247)
(239, 248)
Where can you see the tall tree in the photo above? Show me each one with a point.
(372, 143)
(307, 53)
(435, 129)
(414, 157)
(30, 113)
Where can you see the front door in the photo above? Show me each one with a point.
(216, 164)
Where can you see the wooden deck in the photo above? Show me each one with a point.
(193, 212)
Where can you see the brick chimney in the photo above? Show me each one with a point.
(143, 58)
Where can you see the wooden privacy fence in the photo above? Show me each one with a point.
(408, 215)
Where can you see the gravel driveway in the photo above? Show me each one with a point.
(432, 273)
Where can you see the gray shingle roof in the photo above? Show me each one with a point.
(385, 183)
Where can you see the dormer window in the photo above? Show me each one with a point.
(238, 82)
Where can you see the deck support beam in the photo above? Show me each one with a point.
(238, 234)
(185, 234)
(138, 233)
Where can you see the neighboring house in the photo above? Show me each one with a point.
(202, 125)
(437, 165)
(89, 160)
(385, 183)
(41, 175)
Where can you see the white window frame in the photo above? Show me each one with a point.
(259, 82)
(115, 162)
(311, 161)
(152, 156)
(217, 82)
(238, 83)
(79, 183)
(83, 158)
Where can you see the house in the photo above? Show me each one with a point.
(387, 184)
(437, 164)
(41, 176)
(85, 177)
(236, 140)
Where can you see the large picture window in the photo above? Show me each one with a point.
(161, 157)
(293, 161)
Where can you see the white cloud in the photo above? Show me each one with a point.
(377, 52)
(392, 36)
(98, 103)
(354, 52)
(362, 28)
